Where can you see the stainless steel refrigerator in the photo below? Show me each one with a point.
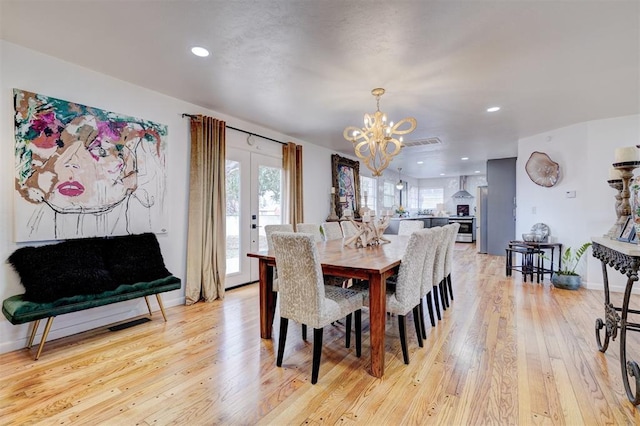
(481, 219)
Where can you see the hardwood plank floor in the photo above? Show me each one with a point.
(506, 352)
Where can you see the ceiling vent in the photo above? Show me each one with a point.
(432, 142)
(462, 193)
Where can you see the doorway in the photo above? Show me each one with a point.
(254, 199)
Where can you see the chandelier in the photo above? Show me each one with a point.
(376, 144)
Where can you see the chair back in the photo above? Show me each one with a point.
(407, 227)
(331, 231)
(431, 236)
(310, 228)
(441, 247)
(448, 258)
(301, 286)
(270, 229)
(348, 229)
(409, 281)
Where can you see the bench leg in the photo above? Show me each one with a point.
(36, 323)
(148, 306)
(44, 337)
(161, 306)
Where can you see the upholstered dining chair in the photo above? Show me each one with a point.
(269, 230)
(306, 299)
(348, 229)
(331, 231)
(407, 227)
(431, 235)
(310, 228)
(438, 269)
(404, 289)
(448, 261)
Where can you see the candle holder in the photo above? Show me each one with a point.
(615, 229)
(365, 208)
(626, 170)
(333, 217)
(343, 207)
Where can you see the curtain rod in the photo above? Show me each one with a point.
(239, 130)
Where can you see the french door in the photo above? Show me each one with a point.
(254, 199)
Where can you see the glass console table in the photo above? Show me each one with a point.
(625, 258)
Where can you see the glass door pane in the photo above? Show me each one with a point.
(269, 200)
(233, 216)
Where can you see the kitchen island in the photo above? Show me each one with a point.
(429, 222)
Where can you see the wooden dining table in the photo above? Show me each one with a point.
(373, 263)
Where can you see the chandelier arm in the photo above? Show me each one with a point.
(412, 126)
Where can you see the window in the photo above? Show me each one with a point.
(368, 189)
(429, 198)
(389, 194)
(412, 198)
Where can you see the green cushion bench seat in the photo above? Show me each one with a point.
(85, 273)
(20, 311)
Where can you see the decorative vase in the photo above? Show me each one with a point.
(567, 282)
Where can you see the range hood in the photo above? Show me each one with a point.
(462, 193)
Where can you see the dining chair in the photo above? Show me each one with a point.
(314, 229)
(404, 290)
(269, 230)
(348, 229)
(331, 231)
(306, 299)
(310, 228)
(407, 227)
(431, 236)
(438, 270)
(448, 261)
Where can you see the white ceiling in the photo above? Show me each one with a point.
(306, 68)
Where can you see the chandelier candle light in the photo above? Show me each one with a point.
(376, 144)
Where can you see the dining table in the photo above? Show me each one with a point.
(374, 264)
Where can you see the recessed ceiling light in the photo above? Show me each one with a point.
(493, 109)
(464, 158)
(420, 162)
(200, 51)
(441, 174)
(477, 171)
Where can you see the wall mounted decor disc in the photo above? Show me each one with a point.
(542, 170)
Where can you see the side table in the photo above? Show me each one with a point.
(536, 248)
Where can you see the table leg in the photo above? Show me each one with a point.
(267, 299)
(612, 319)
(377, 317)
(629, 368)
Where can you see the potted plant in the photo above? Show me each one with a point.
(567, 278)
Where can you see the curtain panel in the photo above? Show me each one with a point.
(292, 165)
(206, 240)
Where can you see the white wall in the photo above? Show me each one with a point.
(26, 69)
(585, 152)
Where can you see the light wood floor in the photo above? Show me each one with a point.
(506, 352)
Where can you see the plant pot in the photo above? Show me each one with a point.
(567, 282)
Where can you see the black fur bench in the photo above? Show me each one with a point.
(86, 273)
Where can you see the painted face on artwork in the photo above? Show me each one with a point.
(92, 169)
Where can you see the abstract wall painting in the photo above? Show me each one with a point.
(85, 172)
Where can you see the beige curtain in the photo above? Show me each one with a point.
(292, 164)
(206, 243)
